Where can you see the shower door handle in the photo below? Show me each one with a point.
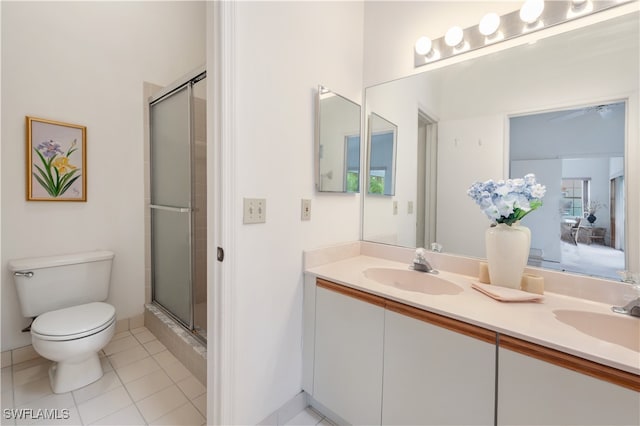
(171, 209)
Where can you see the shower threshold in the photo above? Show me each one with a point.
(190, 348)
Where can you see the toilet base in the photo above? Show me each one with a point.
(69, 376)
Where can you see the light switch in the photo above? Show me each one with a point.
(305, 214)
(255, 210)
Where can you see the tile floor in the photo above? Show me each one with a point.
(309, 417)
(143, 384)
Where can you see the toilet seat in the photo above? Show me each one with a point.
(74, 322)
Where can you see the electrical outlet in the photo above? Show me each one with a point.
(410, 207)
(305, 214)
(255, 210)
(395, 207)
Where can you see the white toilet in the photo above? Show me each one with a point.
(65, 294)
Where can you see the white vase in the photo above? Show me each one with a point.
(507, 253)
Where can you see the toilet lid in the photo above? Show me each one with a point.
(74, 322)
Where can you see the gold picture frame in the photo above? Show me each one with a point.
(56, 161)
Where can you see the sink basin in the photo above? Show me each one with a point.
(620, 330)
(415, 281)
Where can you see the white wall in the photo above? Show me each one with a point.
(85, 63)
(466, 154)
(282, 51)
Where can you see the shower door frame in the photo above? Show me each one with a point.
(188, 80)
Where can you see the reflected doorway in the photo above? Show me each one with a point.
(426, 186)
(578, 154)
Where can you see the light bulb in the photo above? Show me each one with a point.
(489, 24)
(579, 7)
(423, 46)
(454, 36)
(531, 10)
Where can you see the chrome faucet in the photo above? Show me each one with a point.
(632, 308)
(420, 262)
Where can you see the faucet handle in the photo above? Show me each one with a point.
(630, 277)
(419, 255)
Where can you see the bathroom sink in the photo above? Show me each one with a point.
(621, 330)
(410, 280)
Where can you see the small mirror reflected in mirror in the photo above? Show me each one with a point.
(382, 155)
(337, 143)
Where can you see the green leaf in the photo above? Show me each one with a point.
(44, 185)
(65, 178)
(68, 185)
(57, 181)
(45, 181)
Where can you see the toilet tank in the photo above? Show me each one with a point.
(48, 283)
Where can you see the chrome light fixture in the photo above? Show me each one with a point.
(579, 7)
(534, 14)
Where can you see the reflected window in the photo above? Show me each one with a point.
(352, 147)
(376, 181)
(575, 197)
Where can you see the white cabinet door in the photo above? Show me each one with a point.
(348, 356)
(433, 375)
(532, 391)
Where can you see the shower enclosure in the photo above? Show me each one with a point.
(177, 116)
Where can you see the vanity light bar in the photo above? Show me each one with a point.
(533, 16)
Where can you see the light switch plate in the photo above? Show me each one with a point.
(305, 213)
(255, 210)
(395, 207)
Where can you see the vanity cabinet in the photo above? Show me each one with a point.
(371, 360)
(538, 385)
(347, 374)
(436, 370)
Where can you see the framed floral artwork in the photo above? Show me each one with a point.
(56, 161)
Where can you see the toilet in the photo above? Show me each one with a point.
(72, 323)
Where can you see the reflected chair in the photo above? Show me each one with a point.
(575, 230)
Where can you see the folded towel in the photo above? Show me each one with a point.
(505, 294)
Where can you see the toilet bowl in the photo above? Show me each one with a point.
(72, 337)
(65, 294)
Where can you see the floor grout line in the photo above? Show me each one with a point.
(108, 367)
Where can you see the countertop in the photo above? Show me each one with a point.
(595, 333)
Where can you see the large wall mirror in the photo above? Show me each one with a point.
(565, 108)
(337, 143)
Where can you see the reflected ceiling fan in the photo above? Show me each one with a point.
(603, 110)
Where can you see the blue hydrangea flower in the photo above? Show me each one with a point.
(507, 201)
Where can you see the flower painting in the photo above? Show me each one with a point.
(56, 156)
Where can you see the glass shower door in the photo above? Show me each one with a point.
(171, 209)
